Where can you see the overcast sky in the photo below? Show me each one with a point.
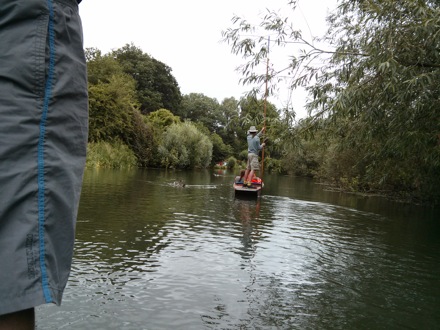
(186, 36)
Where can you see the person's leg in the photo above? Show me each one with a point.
(23, 31)
(255, 166)
(245, 176)
(251, 175)
(246, 173)
(241, 177)
(43, 139)
(21, 320)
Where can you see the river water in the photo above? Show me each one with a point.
(152, 255)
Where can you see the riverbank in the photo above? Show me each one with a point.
(394, 196)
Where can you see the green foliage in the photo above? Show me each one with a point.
(110, 155)
(203, 109)
(220, 151)
(111, 105)
(253, 111)
(101, 68)
(304, 158)
(252, 114)
(184, 146)
(141, 140)
(213, 118)
(385, 92)
(231, 130)
(113, 108)
(156, 87)
(273, 165)
(243, 155)
(231, 163)
(374, 92)
(163, 118)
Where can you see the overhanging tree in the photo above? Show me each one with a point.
(375, 88)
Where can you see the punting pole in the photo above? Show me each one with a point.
(265, 105)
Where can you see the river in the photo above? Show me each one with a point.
(153, 255)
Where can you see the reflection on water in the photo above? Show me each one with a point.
(150, 255)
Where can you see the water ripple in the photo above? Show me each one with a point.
(161, 257)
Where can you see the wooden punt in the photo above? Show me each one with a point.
(254, 190)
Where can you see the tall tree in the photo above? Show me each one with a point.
(155, 85)
(112, 98)
(382, 88)
(376, 86)
(254, 111)
(200, 108)
(114, 109)
(231, 132)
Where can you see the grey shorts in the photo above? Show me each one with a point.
(43, 139)
(252, 163)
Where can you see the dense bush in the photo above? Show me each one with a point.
(110, 155)
(231, 163)
(140, 139)
(184, 146)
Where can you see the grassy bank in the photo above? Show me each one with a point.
(110, 155)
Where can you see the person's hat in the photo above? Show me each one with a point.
(253, 130)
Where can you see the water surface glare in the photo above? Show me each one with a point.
(150, 255)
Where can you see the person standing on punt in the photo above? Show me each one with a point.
(254, 147)
(43, 140)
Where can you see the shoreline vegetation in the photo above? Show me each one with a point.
(373, 107)
(108, 155)
(119, 156)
